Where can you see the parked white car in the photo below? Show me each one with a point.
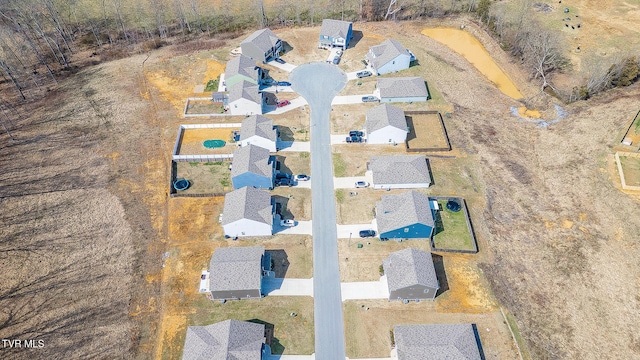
(287, 223)
(361, 184)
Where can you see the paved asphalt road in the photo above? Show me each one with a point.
(318, 83)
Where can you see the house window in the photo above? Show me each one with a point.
(406, 230)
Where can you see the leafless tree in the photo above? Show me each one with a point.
(541, 53)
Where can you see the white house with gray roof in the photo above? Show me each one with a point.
(253, 166)
(242, 68)
(248, 212)
(411, 275)
(237, 272)
(385, 124)
(405, 216)
(259, 131)
(400, 172)
(262, 45)
(436, 342)
(388, 57)
(229, 339)
(335, 33)
(245, 98)
(401, 89)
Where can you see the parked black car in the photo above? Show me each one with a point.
(284, 182)
(281, 175)
(355, 133)
(354, 139)
(284, 83)
(367, 233)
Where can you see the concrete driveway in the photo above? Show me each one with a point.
(300, 146)
(353, 230)
(350, 181)
(319, 83)
(287, 287)
(276, 89)
(342, 139)
(301, 228)
(295, 103)
(293, 357)
(348, 99)
(365, 290)
(286, 66)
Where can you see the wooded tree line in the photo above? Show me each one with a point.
(39, 37)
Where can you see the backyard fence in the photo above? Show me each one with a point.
(621, 170)
(442, 127)
(474, 242)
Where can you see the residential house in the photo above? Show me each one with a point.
(237, 272)
(263, 45)
(259, 131)
(243, 68)
(229, 339)
(405, 216)
(401, 89)
(400, 172)
(245, 98)
(385, 124)
(411, 275)
(390, 56)
(336, 33)
(253, 166)
(248, 212)
(437, 342)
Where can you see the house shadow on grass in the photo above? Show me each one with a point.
(412, 132)
(357, 36)
(282, 166)
(286, 47)
(286, 134)
(279, 261)
(438, 223)
(282, 202)
(270, 339)
(438, 263)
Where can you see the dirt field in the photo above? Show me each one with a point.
(426, 132)
(205, 178)
(193, 141)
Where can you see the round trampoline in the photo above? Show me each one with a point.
(453, 206)
(212, 144)
(181, 184)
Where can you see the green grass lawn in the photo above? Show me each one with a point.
(451, 229)
(292, 334)
(339, 166)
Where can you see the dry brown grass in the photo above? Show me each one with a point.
(356, 156)
(205, 178)
(426, 132)
(345, 118)
(193, 141)
(296, 202)
(378, 321)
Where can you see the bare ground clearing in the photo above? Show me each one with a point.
(205, 178)
(426, 132)
(193, 141)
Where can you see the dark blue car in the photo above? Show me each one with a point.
(284, 83)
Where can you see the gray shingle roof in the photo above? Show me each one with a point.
(335, 28)
(257, 125)
(252, 158)
(385, 115)
(226, 340)
(241, 65)
(399, 169)
(263, 39)
(436, 342)
(385, 52)
(246, 90)
(402, 210)
(236, 268)
(248, 203)
(410, 267)
(402, 87)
